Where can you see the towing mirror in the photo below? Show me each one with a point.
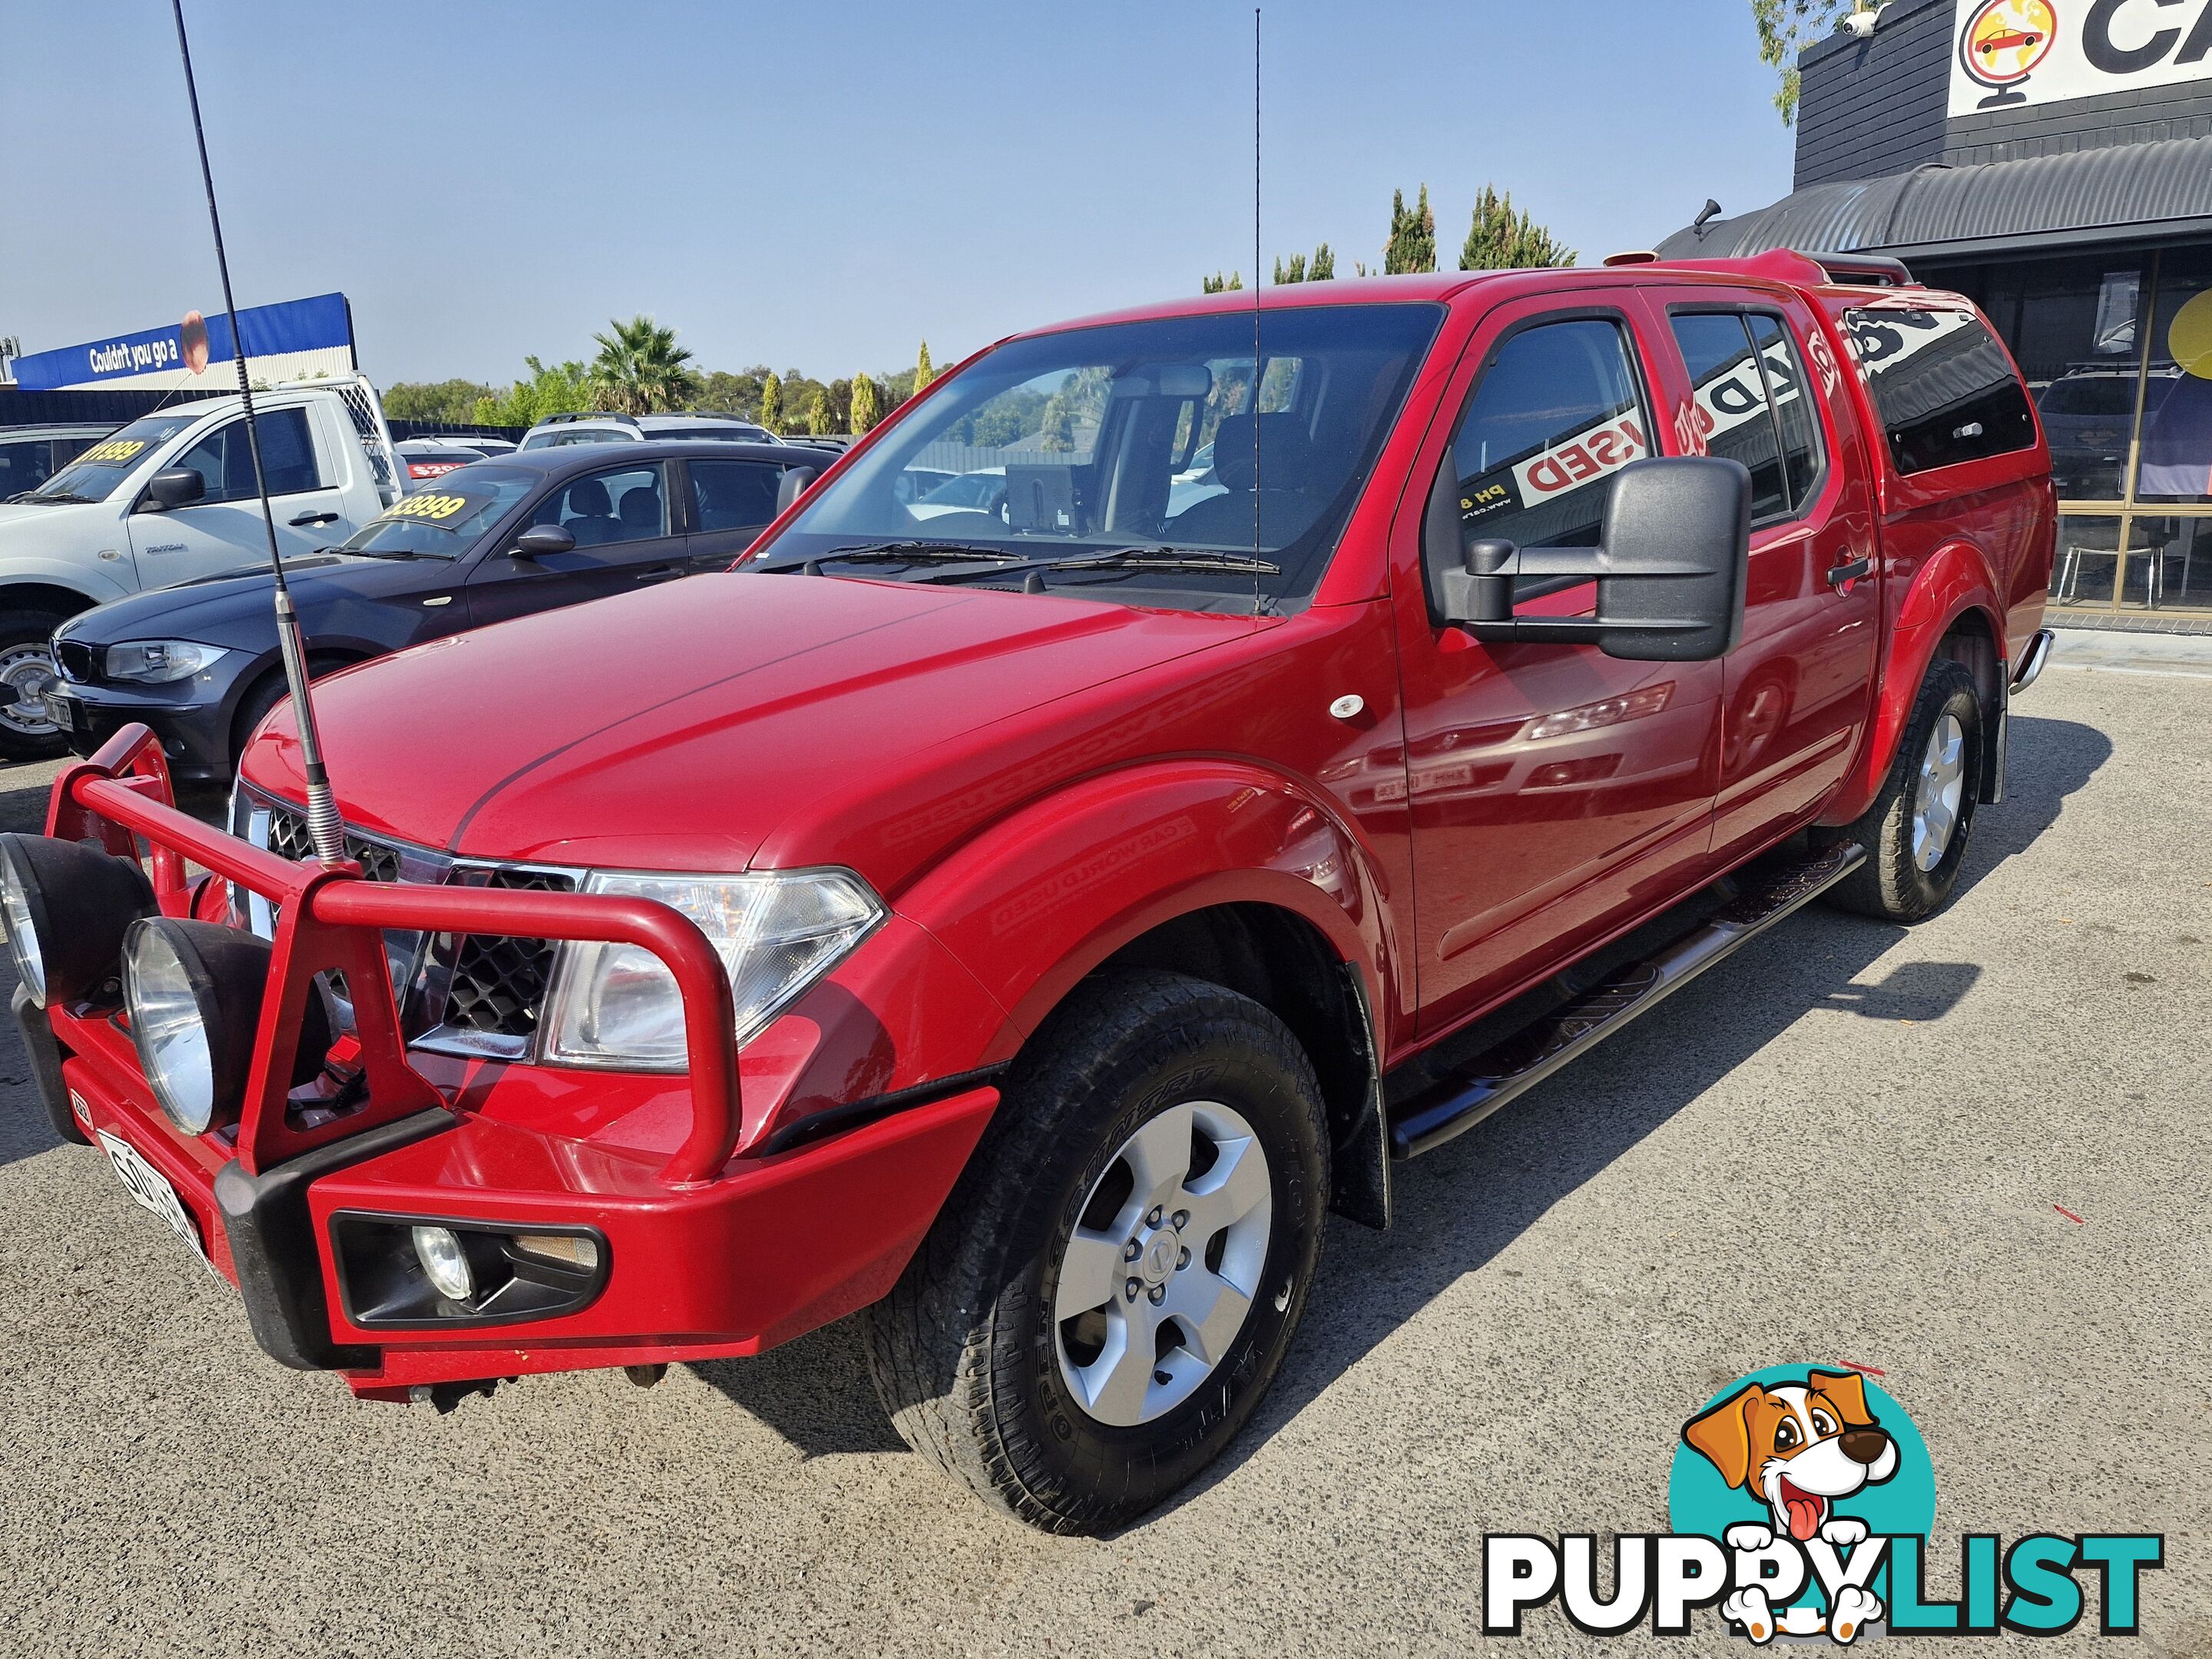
(179, 486)
(1669, 567)
(795, 483)
(543, 539)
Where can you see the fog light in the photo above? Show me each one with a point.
(446, 1263)
(192, 991)
(66, 907)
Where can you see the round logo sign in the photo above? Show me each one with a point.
(2005, 39)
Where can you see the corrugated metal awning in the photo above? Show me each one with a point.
(2122, 192)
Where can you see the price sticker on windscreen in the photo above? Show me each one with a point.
(114, 450)
(438, 507)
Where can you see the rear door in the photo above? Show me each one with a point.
(626, 537)
(1800, 685)
(222, 531)
(1554, 792)
(730, 503)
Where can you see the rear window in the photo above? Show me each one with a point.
(1942, 386)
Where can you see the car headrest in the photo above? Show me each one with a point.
(641, 508)
(1280, 463)
(588, 499)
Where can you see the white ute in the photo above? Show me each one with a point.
(168, 498)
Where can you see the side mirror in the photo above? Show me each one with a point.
(179, 486)
(1670, 566)
(792, 486)
(543, 539)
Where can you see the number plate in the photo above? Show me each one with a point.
(66, 712)
(151, 1189)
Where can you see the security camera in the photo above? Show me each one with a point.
(1861, 21)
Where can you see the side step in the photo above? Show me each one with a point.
(1459, 1102)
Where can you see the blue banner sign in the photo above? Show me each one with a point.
(324, 323)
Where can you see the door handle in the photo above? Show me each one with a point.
(1843, 575)
(307, 519)
(659, 572)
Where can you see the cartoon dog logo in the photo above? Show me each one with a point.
(1798, 1447)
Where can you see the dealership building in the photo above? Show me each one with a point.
(2053, 160)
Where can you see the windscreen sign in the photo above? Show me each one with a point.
(2014, 53)
(296, 339)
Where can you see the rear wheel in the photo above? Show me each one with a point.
(1114, 1281)
(27, 731)
(1916, 832)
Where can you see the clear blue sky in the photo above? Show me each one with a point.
(819, 186)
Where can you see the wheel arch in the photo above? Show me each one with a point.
(1951, 610)
(1219, 869)
(56, 596)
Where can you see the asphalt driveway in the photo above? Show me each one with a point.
(1972, 1157)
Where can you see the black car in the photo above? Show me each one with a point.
(497, 538)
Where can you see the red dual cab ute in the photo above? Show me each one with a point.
(1024, 921)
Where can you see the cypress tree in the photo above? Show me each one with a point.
(1501, 240)
(864, 403)
(817, 413)
(1324, 267)
(923, 371)
(771, 416)
(1413, 243)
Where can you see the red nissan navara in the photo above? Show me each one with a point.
(1020, 914)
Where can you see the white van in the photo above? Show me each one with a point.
(170, 497)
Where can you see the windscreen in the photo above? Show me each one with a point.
(100, 470)
(443, 520)
(1154, 462)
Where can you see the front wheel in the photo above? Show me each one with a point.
(1114, 1281)
(1916, 832)
(27, 730)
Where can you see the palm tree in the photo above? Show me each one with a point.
(640, 369)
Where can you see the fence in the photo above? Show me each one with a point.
(21, 408)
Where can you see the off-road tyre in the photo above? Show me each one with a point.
(1890, 885)
(963, 1350)
(20, 628)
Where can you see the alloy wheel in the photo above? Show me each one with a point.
(1160, 1271)
(1941, 787)
(24, 671)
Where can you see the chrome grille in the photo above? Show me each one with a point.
(499, 984)
(288, 839)
(471, 993)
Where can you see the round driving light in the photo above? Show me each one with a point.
(445, 1263)
(66, 906)
(193, 993)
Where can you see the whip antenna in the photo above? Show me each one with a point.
(324, 829)
(1256, 280)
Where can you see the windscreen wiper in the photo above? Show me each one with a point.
(63, 497)
(1150, 556)
(899, 553)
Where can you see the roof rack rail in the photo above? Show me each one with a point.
(568, 416)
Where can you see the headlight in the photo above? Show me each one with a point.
(156, 662)
(777, 932)
(66, 906)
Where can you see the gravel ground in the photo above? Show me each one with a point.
(1850, 1142)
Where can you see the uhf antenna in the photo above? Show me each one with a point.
(1257, 281)
(324, 829)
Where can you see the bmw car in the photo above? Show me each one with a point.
(496, 539)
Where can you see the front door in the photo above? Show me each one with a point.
(222, 531)
(625, 538)
(1555, 792)
(1799, 685)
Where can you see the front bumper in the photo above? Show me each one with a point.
(195, 734)
(727, 1226)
